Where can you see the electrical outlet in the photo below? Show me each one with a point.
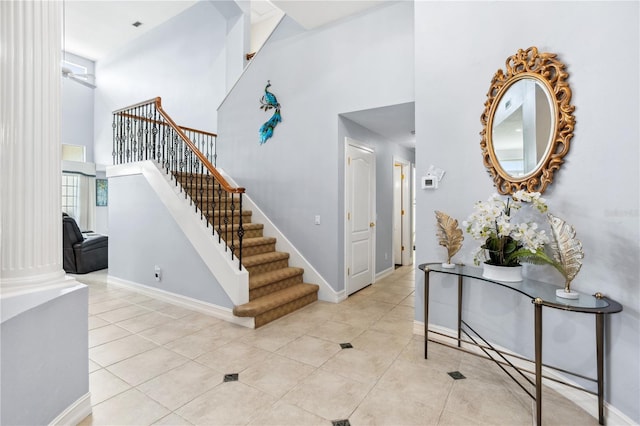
(157, 273)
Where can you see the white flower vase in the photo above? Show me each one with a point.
(502, 273)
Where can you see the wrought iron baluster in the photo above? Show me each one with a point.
(201, 188)
(189, 169)
(215, 151)
(134, 136)
(122, 141)
(240, 233)
(232, 245)
(210, 202)
(154, 139)
(127, 125)
(218, 218)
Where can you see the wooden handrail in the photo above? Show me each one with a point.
(139, 104)
(179, 130)
(162, 123)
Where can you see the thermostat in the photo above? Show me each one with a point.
(429, 182)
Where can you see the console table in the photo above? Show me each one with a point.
(541, 294)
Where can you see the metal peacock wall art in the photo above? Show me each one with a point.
(269, 101)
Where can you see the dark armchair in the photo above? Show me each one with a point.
(82, 253)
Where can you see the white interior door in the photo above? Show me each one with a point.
(402, 225)
(407, 229)
(397, 213)
(360, 184)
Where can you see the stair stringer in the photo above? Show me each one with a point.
(311, 275)
(234, 282)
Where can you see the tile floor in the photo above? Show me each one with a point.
(155, 363)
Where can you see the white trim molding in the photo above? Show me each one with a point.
(74, 413)
(383, 274)
(586, 401)
(206, 308)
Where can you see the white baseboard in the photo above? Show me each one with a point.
(216, 311)
(382, 274)
(74, 413)
(584, 400)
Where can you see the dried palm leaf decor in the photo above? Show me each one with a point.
(449, 236)
(567, 254)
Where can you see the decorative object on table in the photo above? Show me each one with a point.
(449, 236)
(507, 243)
(567, 254)
(269, 101)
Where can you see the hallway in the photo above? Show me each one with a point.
(155, 363)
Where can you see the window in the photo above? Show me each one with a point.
(73, 152)
(75, 69)
(70, 195)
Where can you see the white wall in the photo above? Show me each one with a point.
(260, 31)
(44, 356)
(357, 64)
(459, 46)
(77, 109)
(183, 61)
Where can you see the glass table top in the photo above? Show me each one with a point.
(534, 289)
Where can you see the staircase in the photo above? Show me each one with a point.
(275, 288)
(144, 131)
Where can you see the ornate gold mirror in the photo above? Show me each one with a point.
(528, 122)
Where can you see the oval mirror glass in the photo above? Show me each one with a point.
(523, 125)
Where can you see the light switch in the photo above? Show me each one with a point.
(317, 219)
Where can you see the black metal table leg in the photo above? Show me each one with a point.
(538, 349)
(426, 311)
(599, 360)
(459, 308)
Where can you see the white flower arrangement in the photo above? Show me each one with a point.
(507, 243)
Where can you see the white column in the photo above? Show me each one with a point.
(30, 153)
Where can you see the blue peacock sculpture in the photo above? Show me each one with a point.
(268, 102)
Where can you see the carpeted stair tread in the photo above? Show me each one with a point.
(257, 241)
(274, 300)
(248, 226)
(266, 278)
(285, 309)
(259, 259)
(217, 212)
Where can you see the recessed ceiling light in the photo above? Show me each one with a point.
(137, 24)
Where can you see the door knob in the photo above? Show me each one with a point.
(371, 225)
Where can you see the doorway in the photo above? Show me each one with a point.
(402, 209)
(360, 201)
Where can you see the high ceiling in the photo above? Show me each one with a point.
(93, 28)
